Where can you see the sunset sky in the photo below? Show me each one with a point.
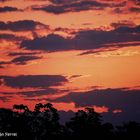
(72, 53)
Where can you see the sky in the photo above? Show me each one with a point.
(72, 53)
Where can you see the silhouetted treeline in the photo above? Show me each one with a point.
(43, 124)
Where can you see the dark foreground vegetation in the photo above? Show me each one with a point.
(43, 124)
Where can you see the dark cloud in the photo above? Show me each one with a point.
(75, 6)
(118, 10)
(22, 60)
(3, 64)
(120, 5)
(64, 6)
(125, 9)
(8, 9)
(63, 1)
(108, 48)
(135, 9)
(75, 76)
(38, 93)
(92, 39)
(114, 98)
(48, 43)
(5, 98)
(123, 23)
(100, 50)
(136, 2)
(125, 99)
(22, 25)
(33, 94)
(34, 81)
(41, 92)
(129, 30)
(21, 53)
(4, 0)
(11, 37)
(85, 40)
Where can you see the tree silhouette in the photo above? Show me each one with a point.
(43, 124)
(84, 123)
(130, 130)
(107, 131)
(21, 107)
(6, 119)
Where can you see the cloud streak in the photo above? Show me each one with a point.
(33, 81)
(22, 60)
(8, 9)
(65, 6)
(21, 25)
(110, 97)
(86, 40)
(125, 101)
(19, 60)
(77, 6)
